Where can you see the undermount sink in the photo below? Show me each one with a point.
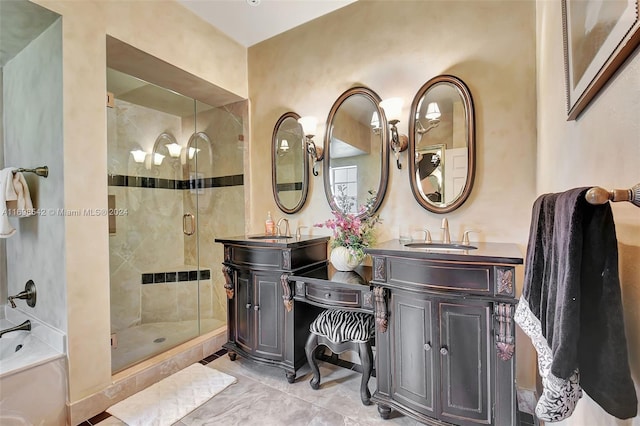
(441, 246)
(269, 237)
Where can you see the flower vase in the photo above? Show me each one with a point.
(343, 260)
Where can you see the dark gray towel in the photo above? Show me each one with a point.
(572, 286)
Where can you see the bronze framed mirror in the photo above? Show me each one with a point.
(289, 171)
(356, 164)
(442, 144)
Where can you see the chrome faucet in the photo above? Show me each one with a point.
(26, 326)
(446, 237)
(288, 231)
(427, 236)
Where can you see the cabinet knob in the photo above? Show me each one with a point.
(444, 350)
(255, 308)
(327, 295)
(248, 306)
(427, 346)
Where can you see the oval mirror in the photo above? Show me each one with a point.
(289, 174)
(356, 165)
(442, 144)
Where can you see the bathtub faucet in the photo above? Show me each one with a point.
(26, 326)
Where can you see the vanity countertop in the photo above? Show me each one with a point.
(261, 240)
(485, 252)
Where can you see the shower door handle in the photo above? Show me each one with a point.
(185, 220)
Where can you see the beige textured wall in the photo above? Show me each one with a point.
(163, 29)
(601, 148)
(307, 68)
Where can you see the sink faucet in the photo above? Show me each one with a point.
(287, 232)
(24, 326)
(427, 235)
(298, 231)
(446, 237)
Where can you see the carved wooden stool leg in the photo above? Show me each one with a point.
(366, 357)
(310, 349)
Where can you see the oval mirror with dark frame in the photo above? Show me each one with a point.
(442, 144)
(289, 174)
(356, 164)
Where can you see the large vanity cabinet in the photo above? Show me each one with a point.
(445, 337)
(261, 321)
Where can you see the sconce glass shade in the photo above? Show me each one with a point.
(192, 152)
(157, 159)
(433, 111)
(309, 125)
(284, 145)
(375, 120)
(174, 149)
(392, 108)
(138, 155)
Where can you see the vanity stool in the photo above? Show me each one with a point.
(343, 331)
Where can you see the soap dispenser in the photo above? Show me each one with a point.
(269, 225)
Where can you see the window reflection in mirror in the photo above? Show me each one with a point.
(290, 164)
(356, 156)
(442, 142)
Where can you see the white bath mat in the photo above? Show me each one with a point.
(172, 398)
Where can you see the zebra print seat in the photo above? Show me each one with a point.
(344, 326)
(343, 331)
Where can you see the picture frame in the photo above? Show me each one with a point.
(598, 36)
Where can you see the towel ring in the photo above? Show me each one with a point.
(597, 195)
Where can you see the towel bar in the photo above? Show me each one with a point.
(597, 195)
(40, 171)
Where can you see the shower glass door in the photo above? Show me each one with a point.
(165, 190)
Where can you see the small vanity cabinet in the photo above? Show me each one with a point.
(445, 338)
(261, 321)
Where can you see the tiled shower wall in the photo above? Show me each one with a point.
(148, 239)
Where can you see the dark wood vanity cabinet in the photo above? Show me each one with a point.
(259, 322)
(445, 338)
(262, 323)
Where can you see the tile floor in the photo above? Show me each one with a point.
(262, 396)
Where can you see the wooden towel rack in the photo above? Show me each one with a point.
(597, 195)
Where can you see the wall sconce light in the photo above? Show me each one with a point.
(157, 159)
(309, 126)
(375, 123)
(393, 109)
(433, 119)
(139, 155)
(174, 149)
(283, 148)
(192, 152)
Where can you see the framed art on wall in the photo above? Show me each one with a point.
(598, 35)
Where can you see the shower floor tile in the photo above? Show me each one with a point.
(142, 341)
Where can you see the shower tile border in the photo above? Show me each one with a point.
(175, 276)
(175, 184)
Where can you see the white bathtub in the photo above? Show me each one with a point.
(33, 377)
(30, 352)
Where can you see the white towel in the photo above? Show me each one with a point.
(14, 198)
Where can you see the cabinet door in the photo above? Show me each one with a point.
(244, 311)
(269, 316)
(464, 362)
(413, 360)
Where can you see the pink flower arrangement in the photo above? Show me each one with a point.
(355, 232)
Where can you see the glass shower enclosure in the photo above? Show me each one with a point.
(175, 181)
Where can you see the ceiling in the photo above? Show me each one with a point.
(252, 21)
